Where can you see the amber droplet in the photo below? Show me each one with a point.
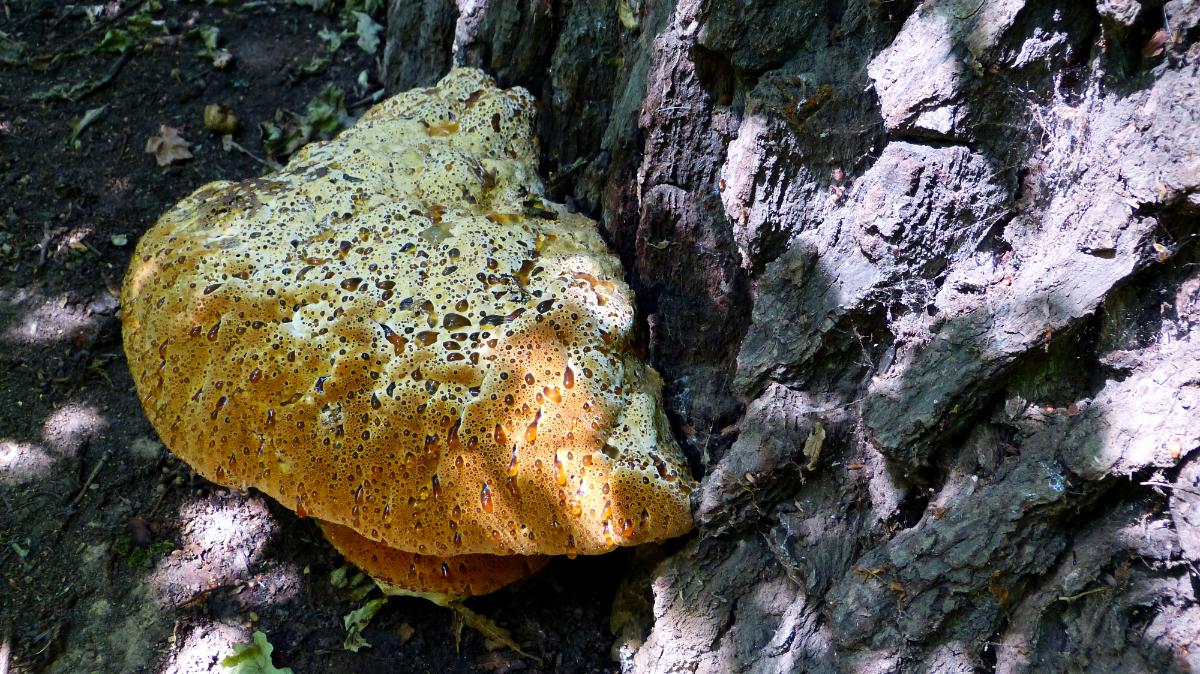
(501, 437)
(552, 394)
(397, 342)
(513, 489)
(445, 570)
(627, 528)
(351, 284)
(255, 375)
(300, 511)
(437, 487)
(444, 128)
(572, 551)
(522, 274)
(220, 403)
(270, 417)
(452, 441)
(212, 333)
(453, 321)
(531, 432)
(512, 464)
(568, 377)
(485, 498)
(560, 474)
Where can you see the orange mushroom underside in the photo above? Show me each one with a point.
(461, 576)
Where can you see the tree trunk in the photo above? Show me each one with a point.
(923, 282)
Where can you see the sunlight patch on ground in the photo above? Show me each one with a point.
(222, 537)
(63, 433)
(70, 425)
(44, 320)
(203, 648)
(22, 462)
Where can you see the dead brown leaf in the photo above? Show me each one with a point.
(1156, 44)
(168, 147)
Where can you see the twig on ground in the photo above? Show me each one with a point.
(108, 78)
(91, 478)
(1168, 485)
(1073, 597)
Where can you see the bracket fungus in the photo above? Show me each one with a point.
(397, 336)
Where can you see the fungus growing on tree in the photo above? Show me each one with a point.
(397, 336)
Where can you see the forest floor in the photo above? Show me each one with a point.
(114, 557)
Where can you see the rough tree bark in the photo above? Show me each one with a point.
(923, 281)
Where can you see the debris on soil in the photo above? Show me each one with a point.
(168, 146)
(253, 658)
(357, 620)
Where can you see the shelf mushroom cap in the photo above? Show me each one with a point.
(396, 334)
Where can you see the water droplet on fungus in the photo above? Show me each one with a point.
(485, 498)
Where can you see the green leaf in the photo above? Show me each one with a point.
(64, 91)
(333, 38)
(209, 35)
(368, 32)
(284, 135)
(11, 50)
(338, 577)
(625, 13)
(325, 117)
(253, 658)
(115, 42)
(356, 621)
(314, 66)
(327, 112)
(78, 124)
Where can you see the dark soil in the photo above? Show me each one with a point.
(114, 556)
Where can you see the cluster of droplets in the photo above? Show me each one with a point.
(397, 335)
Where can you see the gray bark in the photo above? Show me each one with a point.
(923, 282)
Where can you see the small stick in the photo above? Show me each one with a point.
(91, 478)
(1083, 594)
(112, 74)
(1168, 485)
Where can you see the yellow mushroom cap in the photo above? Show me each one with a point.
(396, 334)
(435, 578)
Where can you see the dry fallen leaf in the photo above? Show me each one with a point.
(168, 146)
(1155, 45)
